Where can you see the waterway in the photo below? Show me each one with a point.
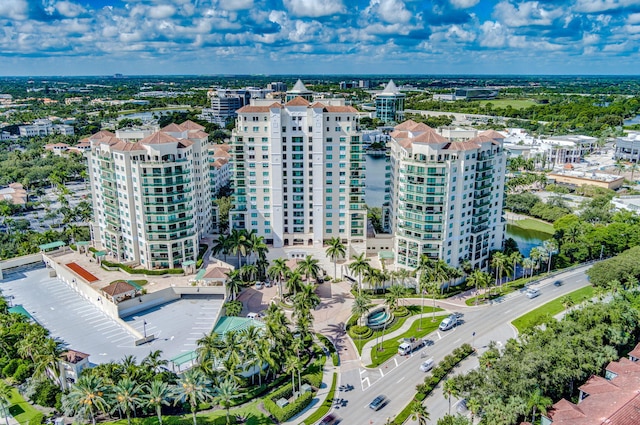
(631, 121)
(375, 180)
(525, 238)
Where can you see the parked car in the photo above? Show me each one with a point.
(427, 365)
(268, 284)
(449, 322)
(378, 402)
(532, 293)
(254, 316)
(259, 285)
(462, 406)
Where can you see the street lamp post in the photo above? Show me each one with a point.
(144, 327)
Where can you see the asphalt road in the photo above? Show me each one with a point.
(398, 378)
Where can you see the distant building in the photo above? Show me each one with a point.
(556, 150)
(225, 103)
(299, 90)
(628, 147)
(390, 104)
(277, 86)
(14, 193)
(475, 93)
(348, 85)
(44, 127)
(57, 148)
(580, 178)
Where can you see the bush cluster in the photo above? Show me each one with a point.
(360, 332)
(430, 381)
(131, 270)
(401, 311)
(18, 369)
(290, 410)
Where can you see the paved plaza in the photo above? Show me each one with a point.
(84, 327)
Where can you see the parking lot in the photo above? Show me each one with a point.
(84, 327)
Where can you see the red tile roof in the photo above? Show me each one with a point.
(190, 125)
(72, 356)
(255, 109)
(158, 138)
(297, 101)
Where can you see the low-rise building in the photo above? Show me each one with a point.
(14, 193)
(579, 178)
(628, 147)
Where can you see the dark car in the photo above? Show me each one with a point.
(557, 283)
(377, 402)
(329, 420)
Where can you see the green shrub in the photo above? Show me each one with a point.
(401, 311)
(37, 419)
(326, 404)
(233, 308)
(335, 359)
(10, 368)
(131, 270)
(22, 373)
(292, 409)
(46, 394)
(326, 342)
(361, 332)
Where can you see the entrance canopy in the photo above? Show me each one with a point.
(52, 245)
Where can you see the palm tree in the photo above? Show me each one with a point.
(360, 307)
(292, 365)
(193, 388)
(398, 292)
(335, 250)
(294, 282)
(153, 361)
(222, 246)
(479, 279)
(209, 347)
(499, 262)
(359, 266)
(5, 399)
(308, 267)
(157, 395)
(535, 254)
(527, 264)
(474, 407)
(391, 300)
(233, 283)
(373, 278)
(248, 272)
(278, 271)
(239, 243)
(46, 359)
(305, 300)
(227, 390)
(419, 412)
(127, 396)
(567, 302)
(551, 246)
(449, 390)
(515, 258)
(537, 401)
(86, 398)
(256, 245)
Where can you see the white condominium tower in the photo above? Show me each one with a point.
(298, 172)
(151, 196)
(446, 196)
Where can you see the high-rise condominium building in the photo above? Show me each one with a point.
(446, 196)
(390, 104)
(151, 196)
(298, 171)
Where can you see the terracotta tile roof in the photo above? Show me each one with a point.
(101, 134)
(461, 146)
(221, 153)
(481, 138)
(217, 273)
(411, 125)
(635, 352)
(173, 128)
(629, 414)
(429, 137)
(72, 356)
(597, 385)
(183, 143)
(190, 125)
(117, 288)
(297, 101)
(399, 134)
(127, 147)
(223, 146)
(622, 366)
(251, 108)
(197, 134)
(55, 145)
(493, 134)
(158, 138)
(339, 108)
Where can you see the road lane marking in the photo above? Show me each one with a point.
(395, 359)
(397, 382)
(508, 311)
(457, 340)
(382, 374)
(362, 371)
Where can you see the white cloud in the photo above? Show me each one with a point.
(633, 19)
(162, 11)
(597, 6)
(68, 9)
(14, 9)
(493, 34)
(525, 14)
(390, 11)
(314, 8)
(236, 4)
(463, 4)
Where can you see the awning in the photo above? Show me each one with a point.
(83, 243)
(385, 255)
(183, 358)
(188, 263)
(100, 253)
(51, 245)
(200, 274)
(135, 285)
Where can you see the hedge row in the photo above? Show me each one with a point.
(325, 406)
(401, 311)
(431, 381)
(290, 410)
(131, 270)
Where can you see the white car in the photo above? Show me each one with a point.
(259, 285)
(532, 293)
(427, 365)
(449, 322)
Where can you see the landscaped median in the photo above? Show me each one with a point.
(550, 309)
(438, 373)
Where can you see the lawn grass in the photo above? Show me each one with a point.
(413, 309)
(22, 411)
(390, 346)
(502, 290)
(550, 309)
(515, 103)
(249, 411)
(532, 224)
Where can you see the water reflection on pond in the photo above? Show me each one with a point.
(526, 238)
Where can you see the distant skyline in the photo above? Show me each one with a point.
(162, 37)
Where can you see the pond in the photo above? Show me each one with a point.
(526, 238)
(375, 180)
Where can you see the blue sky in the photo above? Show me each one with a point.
(103, 37)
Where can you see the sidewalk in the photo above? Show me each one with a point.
(321, 395)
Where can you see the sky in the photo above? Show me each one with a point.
(202, 37)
